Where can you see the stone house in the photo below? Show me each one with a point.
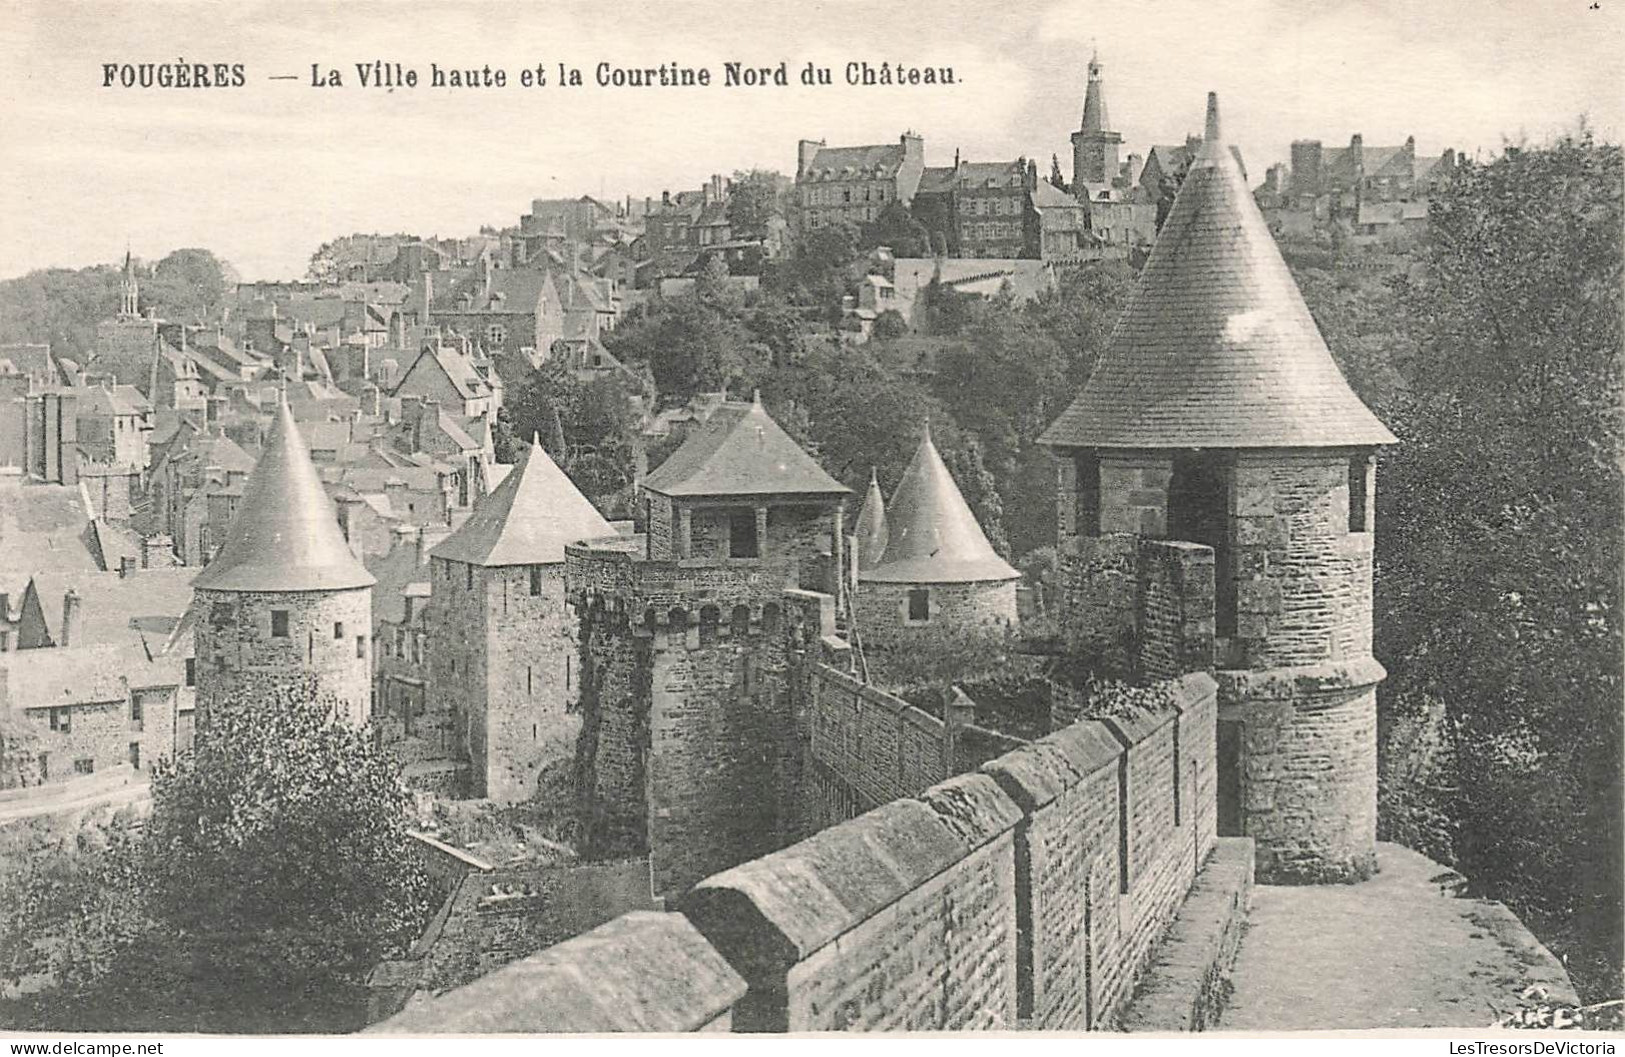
(853, 184)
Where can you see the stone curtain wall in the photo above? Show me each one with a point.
(1138, 608)
(1029, 894)
(882, 747)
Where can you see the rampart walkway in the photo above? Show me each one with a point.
(1393, 952)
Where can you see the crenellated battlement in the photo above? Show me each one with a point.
(722, 596)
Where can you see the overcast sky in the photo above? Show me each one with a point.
(264, 174)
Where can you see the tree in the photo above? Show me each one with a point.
(753, 199)
(187, 286)
(897, 228)
(1499, 537)
(274, 872)
(890, 324)
(1055, 178)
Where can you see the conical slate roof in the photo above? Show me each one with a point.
(286, 535)
(871, 527)
(1094, 101)
(1216, 349)
(933, 536)
(741, 451)
(527, 519)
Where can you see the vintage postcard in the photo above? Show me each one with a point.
(630, 517)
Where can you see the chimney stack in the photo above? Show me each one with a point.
(72, 620)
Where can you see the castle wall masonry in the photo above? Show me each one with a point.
(1030, 894)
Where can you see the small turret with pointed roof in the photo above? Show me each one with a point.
(285, 535)
(931, 534)
(871, 527)
(741, 451)
(1217, 348)
(1094, 100)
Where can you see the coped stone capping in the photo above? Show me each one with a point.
(645, 971)
(863, 925)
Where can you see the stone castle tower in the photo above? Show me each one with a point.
(504, 637)
(935, 571)
(1217, 416)
(688, 746)
(1094, 145)
(284, 600)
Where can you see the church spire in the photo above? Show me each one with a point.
(1095, 145)
(1094, 100)
(127, 288)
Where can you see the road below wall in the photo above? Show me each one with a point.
(1391, 952)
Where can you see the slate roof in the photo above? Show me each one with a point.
(870, 529)
(1094, 103)
(1216, 348)
(527, 519)
(285, 536)
(835, 163)
(740, 451)
(931, 534)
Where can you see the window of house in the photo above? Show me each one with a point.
(62, 720)
(919, 605)
(1359, 486)
(44, 766)
(535, 579)
(742, 541)
(84, 765)
(496, 334)
(338, 629)
(135, 755)
(191, 671)
(220, 614)
(279, 623)
(361, 645)
(135, 712)
(470, 571)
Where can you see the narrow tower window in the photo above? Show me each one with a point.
(1088, 495)
(742, 541)
(919, 605)
(1359, 487)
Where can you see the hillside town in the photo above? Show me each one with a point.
(620, 535)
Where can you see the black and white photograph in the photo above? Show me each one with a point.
(634, 518)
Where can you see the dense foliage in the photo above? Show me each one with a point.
(61, 307)
(272, 874)
(1499, 534)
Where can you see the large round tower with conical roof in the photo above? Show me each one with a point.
(1217, 416)
(284, 603)
(935, 573)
